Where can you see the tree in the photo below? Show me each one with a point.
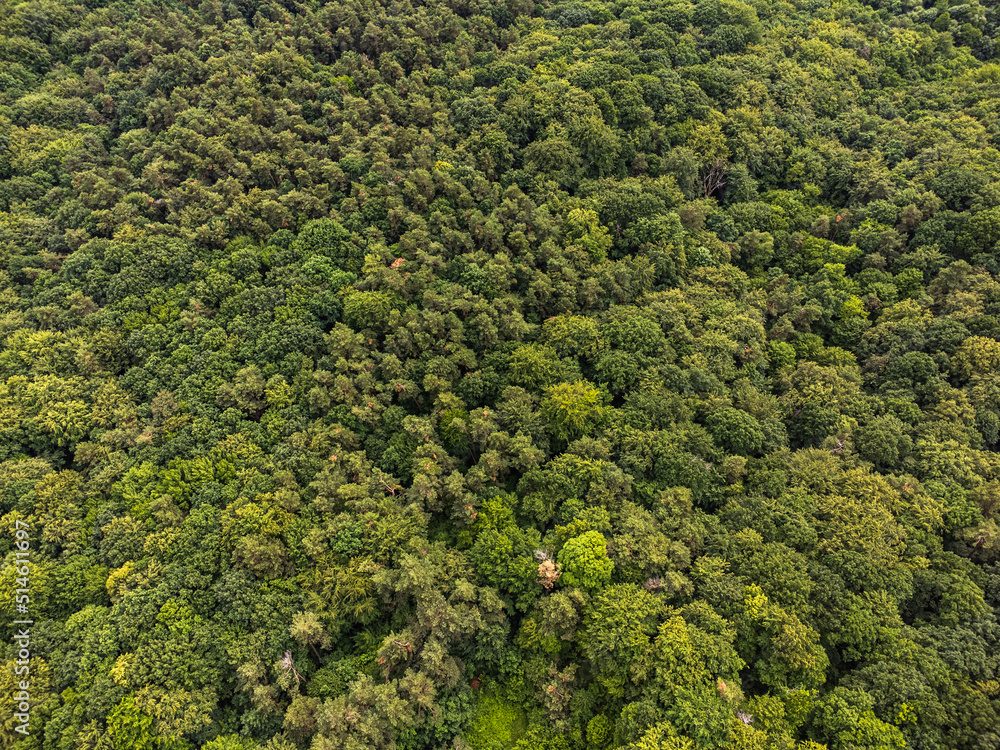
(584, 230)
(369, 711)
(977, 355)
(572, 410)
(368, 310)
(736, 431)
(497, 374)
(584, 561)
(618, 625)
(534, 367)
(782, 650)
(328, 238)
(844, 718)
(884, 441)
(661, 737)
(691, 675)
(572, 335)
(307, 630)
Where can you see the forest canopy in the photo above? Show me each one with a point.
(477, 374)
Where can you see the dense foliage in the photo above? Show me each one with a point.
(461, 373)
